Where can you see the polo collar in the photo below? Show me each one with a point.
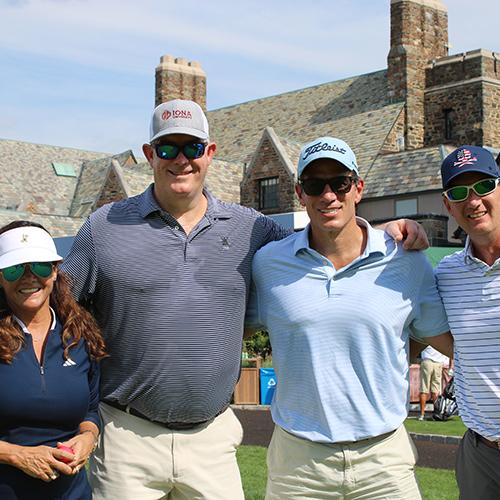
(24, 328)
(470, 257)
(216, 209)
(375, 241)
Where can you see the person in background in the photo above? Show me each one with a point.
(340, 300)
(431, 376)
(49, 375)
(469, 284)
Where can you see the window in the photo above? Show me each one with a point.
(64, 169)
(268, 193)
(406, 207)
(448, 124)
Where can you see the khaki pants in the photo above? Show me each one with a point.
(377, 468)
(141, 460)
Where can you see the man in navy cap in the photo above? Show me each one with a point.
(469, 284)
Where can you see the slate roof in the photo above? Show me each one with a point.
(405, 172)
(355, 109)
(57, 225)
(28, 181)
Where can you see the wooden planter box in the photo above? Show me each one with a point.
(246, 391)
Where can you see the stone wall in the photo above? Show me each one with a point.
(267, 164)
(468, 85)
(178, 78)
(419, 33)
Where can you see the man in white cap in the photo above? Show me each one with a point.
(340, 301)
(167, 275)
(469, 284)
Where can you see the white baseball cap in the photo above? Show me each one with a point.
(26, 244)
(178, 117)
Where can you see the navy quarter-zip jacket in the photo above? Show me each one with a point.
(42, 403)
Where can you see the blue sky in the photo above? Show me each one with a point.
(80, 73)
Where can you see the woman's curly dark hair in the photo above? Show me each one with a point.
(77, 322)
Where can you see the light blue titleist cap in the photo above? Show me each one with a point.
(327, 147)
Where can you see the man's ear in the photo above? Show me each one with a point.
(210, 150)
(148, 151)
(447, 204)
(299, 191)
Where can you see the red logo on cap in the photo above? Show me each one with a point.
(176, 113)
(464, 157)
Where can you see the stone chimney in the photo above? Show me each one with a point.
(178, 78)
(419, 34)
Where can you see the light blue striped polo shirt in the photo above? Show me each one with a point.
(470, 290)
(340, 337)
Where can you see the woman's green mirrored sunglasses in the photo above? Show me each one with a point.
(481, 188)
(41, 269)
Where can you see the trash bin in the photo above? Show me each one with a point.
(267, 385)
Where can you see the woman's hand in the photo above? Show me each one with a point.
(41, 462)
(83, 445)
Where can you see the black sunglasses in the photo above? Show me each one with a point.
(340, 184)
(481, 188)
(191, 150)
(41, 269)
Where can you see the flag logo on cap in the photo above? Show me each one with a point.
(464, 157)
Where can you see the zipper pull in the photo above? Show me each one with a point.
(42, 371)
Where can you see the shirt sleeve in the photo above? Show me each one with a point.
(81, 264)
(272, 230)
(94, 378)
(252, 319)
(430, 316)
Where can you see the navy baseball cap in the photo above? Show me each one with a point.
(468, 159)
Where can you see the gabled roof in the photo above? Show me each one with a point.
(91, 181)
(28, 181)
(355, 109)
(406, 172)
(286, 150)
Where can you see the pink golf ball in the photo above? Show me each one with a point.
(69, 450)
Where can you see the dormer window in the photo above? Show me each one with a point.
(268, 193)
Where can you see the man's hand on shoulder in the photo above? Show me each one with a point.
(410, 232)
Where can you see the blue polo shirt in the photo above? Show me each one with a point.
(340, 336)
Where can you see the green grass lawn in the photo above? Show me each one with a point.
(436, 484)
(452, 427)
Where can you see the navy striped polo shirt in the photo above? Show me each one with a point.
(171, 305)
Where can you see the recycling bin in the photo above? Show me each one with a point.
(267, 385)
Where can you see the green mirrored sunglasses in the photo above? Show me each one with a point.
(481, 188)
(41, 269)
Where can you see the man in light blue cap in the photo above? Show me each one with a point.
(340, 300)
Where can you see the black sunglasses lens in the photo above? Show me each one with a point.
(167, 151)
(194, 150)
(339, 185)
(313, 187)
